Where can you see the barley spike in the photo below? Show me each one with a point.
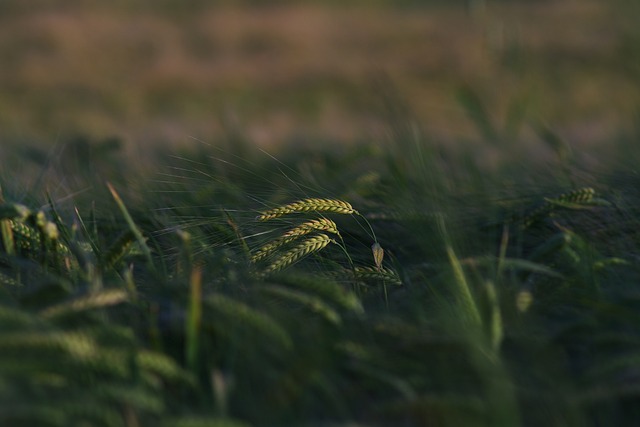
(307, 205)
(322, 224)
(373, 273)
(308, 246)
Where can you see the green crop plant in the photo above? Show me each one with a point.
(405, 284)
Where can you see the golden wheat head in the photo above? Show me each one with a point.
(309, 205)
(308, 246)
(322, 224)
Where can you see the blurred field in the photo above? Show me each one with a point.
(163, 71)
(475, 263)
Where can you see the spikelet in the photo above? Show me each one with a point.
(322, 224)
(378, 254)
(308, 246)
(25, 238)
(308, 205)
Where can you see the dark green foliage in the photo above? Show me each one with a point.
(469, 298)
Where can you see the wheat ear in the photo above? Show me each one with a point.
(105, 298)
(308, 246)
(374, 273)
(581, 196)
(322, 224)
(307, 205)
(27, 238)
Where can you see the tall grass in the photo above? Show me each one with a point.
(407, 285)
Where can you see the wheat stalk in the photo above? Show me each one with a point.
(322, 224)
(308, 246)
(307, 205)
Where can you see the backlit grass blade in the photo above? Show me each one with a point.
(132, 225)
(193, 320)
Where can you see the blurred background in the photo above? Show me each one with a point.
(166, 71)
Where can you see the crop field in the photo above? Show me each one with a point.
(451, 240)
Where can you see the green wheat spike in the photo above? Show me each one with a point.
(377, 274)
(26, 239)
(95, 300)
(582, 195)
(327, 289)
(312, 302)
(163, 365)
(239, 313)
(118, 250)
(572, 199)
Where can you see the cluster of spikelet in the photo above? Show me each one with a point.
(31, 235)
(311, 237)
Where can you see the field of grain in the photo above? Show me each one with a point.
(324, 215)
(148, 71)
